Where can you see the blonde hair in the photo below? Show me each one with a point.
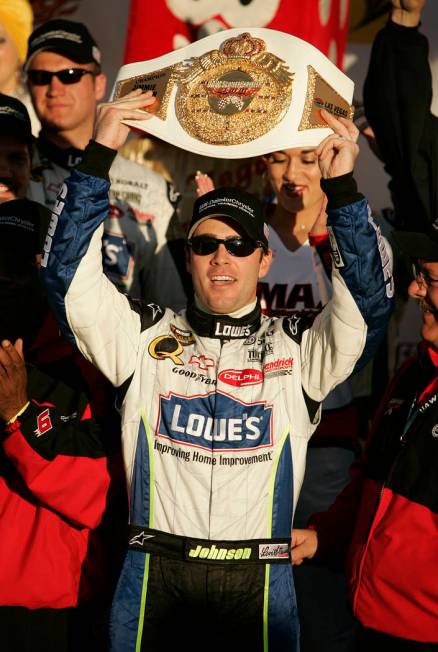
(17, 18)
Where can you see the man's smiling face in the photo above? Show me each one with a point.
(224, 283)
(15, 166)
(424, 288)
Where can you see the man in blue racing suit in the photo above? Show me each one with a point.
(218, 402)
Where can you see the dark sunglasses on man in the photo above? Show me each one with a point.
(203, 245)
(67, 76)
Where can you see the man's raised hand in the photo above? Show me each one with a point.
(204, 183)
(407, 12)
(109, 128)
(13, 379)
(409, 5)
(337, 153)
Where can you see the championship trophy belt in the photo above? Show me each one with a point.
(240, 93)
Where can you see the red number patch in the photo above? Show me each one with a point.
(44, 423)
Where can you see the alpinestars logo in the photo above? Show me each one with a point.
(215, 421)
(156, 310)
(139, 539)
(293, 324)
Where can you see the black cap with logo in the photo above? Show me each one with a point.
(417, 244)
(66, 37)
(14, 118)
(236, 205)
(23, 225)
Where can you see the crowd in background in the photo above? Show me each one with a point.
(63, 525)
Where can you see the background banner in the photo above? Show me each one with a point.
(155, 28)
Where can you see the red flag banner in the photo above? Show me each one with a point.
(161, 26)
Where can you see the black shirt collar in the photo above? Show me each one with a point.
(222, 326)
(68, 157)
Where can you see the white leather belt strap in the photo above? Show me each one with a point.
(240, 93)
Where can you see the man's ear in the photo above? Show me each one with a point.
(265, 262)
(100, 86)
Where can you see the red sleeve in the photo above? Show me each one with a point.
(62, 462)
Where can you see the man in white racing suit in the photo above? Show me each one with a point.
(214, 438)
(142, 239)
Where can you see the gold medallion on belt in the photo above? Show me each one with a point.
(233, 95)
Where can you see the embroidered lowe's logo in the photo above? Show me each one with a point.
(215, 421)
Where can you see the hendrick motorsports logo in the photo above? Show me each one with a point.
(280, 367)
(215, 421)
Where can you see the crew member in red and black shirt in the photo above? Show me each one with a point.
(388, 514)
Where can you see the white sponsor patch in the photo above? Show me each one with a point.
(337, 258)
(384, 257)
(56, 211)
(273, 551)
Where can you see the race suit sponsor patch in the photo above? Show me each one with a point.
(185, 337)
(166, 347)
(273, 551)
(117, 255)
(336, 252)
(230, 331)
(280, 367)
(215, 421)
(241, 377)
(202, 362)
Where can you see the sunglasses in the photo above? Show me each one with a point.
(202, 245)
(67, 76)
(422, 277)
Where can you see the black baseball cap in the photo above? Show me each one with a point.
(23, 225)
(416, 244)
(14, 118)
(233, 204)
(66, 37)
